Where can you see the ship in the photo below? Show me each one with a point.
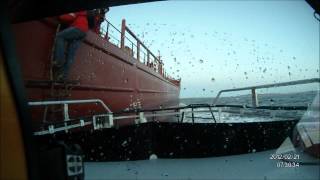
(124, 76)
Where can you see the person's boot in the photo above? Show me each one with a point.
(57, 63)
(58, 74)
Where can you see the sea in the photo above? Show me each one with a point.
(279, 99)
(223, 115)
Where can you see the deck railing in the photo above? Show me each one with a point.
(99, 120)
(254, 95)
(110, 33)
(66, 104)
(131, 44)
(185, 114)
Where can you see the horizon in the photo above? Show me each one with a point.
(249, 94)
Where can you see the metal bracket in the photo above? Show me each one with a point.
(141, 118)
(51, 129)
(102, 121)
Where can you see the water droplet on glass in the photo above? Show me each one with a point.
(264, 70)
(164, 174)
(153, 157)
(124, 143)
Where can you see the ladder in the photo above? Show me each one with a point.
(59, 90)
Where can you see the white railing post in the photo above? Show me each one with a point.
(66, 115)
(110, 120)
(254, 98)
(66, 112)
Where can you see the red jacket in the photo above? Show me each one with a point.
(78, 20)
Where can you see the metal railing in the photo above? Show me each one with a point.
(133, 46)
(96, 119)
(101, 121)
(106, 120)
(185, 114)
(152, 60)
(253, 89)
(110, 33)
(66, 103)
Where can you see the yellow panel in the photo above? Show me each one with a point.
(12, 157)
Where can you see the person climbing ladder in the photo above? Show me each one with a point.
(68, 39)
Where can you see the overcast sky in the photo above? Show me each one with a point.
(214, 45)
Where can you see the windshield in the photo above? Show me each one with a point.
(213, 46)
(175, 90)
(221, 45)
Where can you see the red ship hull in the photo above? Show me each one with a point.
(102, 71)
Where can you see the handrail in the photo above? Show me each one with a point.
(152, 61)
(99, 121)
(112, 25)
(41, 103)
(65, 104)
(141, 43)
(253, 88)
(155, 63)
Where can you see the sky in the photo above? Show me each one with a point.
(215, 45)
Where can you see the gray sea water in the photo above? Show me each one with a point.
(289, 99)
(238, 115)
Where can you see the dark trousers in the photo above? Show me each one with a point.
(73, 37)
